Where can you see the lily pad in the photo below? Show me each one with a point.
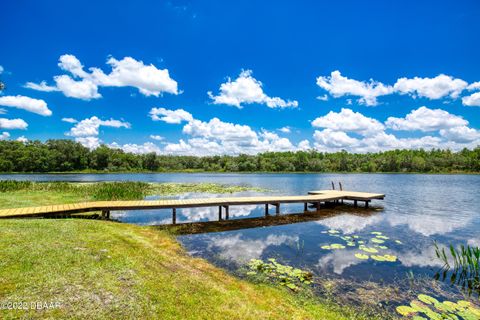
(368, 249)
(382, 237)
(405, 310)
(427, 299)
(361, 241)
(361, 256)
(356, 237)
(333, 231)
(337, 246)
(326, 247)
(375, 240)
(351, 244)
(377, 258)
(398, 242)
(383, 247)
(376, 232)
(389, 258)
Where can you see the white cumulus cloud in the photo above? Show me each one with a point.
(11, 124)
(127, 72)
(425, 119)
(37, 106)
(170, 116)
(247, 90)
(368, 91)
(350, 121)
(472, 100)
(86, 131)
(4, 136)
(432, 88)
(69, 120)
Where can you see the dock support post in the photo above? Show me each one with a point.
(266, 209)
(219, 213)
(174, 215)
(355, 203)
(305, 207)
(105, 214)
(318, 206)
(366, 203)
(277, 208)
(227, 215)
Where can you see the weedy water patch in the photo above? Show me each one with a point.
(27, 193)
(376, 244)
(461, 267)
(276, 272)
(427, 307)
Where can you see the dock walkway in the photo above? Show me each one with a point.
(315, 198)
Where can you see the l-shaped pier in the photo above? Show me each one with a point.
(315, 198)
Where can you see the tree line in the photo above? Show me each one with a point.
(68, 156)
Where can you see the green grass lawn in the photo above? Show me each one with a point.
(107, 270)
(98, 269)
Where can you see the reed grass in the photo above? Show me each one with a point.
(461, 266)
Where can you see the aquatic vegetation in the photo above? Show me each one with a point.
(385, 257)
(22, 193)
(427, 307)
(333, 246)
(461, 266)
(354, 241)
(278, 273)
(368, 249)
(361, 256)
(398, 242)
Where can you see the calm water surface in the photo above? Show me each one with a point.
(417, 210)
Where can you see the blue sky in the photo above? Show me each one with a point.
(282, 75)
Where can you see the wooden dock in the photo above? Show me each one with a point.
(315, 198)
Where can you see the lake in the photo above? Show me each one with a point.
(417, 210)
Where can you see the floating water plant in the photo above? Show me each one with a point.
(427, 307)
(284, 275)
(368, 249)
(461, 266)
(361, 256)
(354, 241)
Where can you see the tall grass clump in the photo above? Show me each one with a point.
(461, 265)
(120, 190)
(13, 185)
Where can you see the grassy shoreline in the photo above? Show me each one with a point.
(15, 194)
(109, 270)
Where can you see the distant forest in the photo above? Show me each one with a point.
(67, 155)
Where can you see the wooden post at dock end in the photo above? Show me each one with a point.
(366, 203)
(355, 203)
(105, 214)
(318, 206)
(266, 209)
(174, 215)
(227, 214)
(277, 208)
(219, 213)
(305, 207)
